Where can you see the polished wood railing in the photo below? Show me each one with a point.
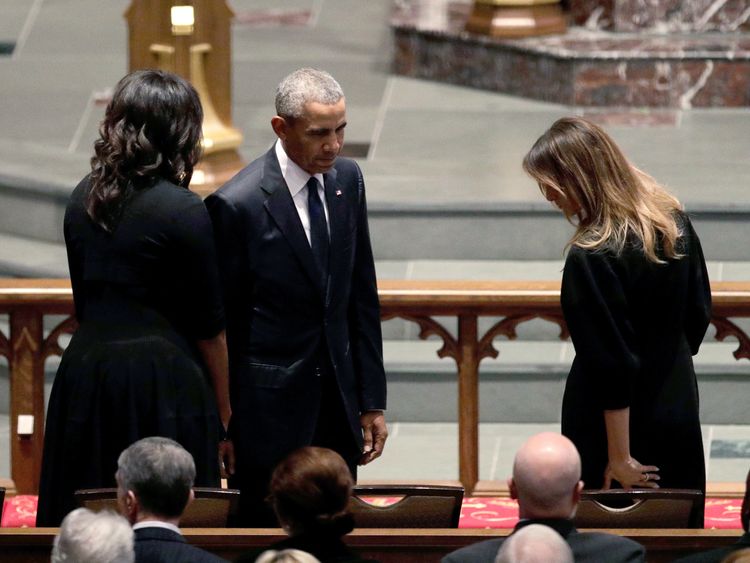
(31, 545)
(26, 346)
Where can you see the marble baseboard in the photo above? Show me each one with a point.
(582, 67)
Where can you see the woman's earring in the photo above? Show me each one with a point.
(181, 176)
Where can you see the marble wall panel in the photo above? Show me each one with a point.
(587, 68)
(645, 83)
(593, 14)
(662, 16)
(481, 64)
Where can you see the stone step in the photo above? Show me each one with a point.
(523, 384)
(24, 257)
(446, 231)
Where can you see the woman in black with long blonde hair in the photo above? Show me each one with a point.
(637, 302)
(149, 356)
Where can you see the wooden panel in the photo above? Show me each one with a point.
(388, 546)
(416, 301)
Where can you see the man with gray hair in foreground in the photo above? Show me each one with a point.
(93, 537)
(535, 544)
(303, 317)
(154, 487)
(546, 482)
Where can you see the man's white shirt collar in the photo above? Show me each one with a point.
(294, 176)
(156, 524)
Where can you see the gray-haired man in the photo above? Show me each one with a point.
(154, 487)
(93, 537)
(303, 318)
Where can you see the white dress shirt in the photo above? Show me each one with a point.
(296, 180)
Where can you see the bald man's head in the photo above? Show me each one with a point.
(546, 477)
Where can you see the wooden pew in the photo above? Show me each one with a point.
(32, 545)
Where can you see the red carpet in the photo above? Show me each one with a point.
(477, 512)
(488, 512)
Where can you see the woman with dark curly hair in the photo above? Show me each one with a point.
(310, 491)
(149, 356)
(637, 301)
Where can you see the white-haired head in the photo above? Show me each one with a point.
(94, 537)
(286, 556)
(535, 543)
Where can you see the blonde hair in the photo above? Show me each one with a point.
(616, 200)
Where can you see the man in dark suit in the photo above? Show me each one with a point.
(154, 487)
(546, 482)
(717, 555)
(303, 317)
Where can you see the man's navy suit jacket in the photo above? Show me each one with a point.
(159, 545)
(279, 315)
(588, 547)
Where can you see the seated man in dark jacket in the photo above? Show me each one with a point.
(717, 555)
(154, 487)
(546, 482)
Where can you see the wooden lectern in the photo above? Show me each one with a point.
(193, 39)
(516, 18)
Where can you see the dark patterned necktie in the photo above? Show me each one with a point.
(318, 229)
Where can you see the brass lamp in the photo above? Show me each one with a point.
(516, 18)
(183, 20)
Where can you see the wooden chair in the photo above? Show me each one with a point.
(210, 509)
(420, 506)
(641, 508)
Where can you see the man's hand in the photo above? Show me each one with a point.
(226, 458)
(375, 434)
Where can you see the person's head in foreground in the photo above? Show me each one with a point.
(546, 477)
(93, 537)
(310, 119)
(535, 543)
(151, 130)
(310, 491)
(154, 480)
(580, 168)
(286, 556)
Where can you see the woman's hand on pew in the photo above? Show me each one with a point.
(631, 474)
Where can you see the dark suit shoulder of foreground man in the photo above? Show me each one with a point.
(154, 544)
(546, 482)
(154, 487)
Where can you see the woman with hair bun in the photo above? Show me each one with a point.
(149, 356)
(309, 492)
(637, 301)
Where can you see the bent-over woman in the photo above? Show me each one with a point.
(637, 302)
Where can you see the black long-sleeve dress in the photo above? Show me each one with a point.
(143, 296)
(635, 326)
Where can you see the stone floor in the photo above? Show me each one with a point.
(430, 451)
